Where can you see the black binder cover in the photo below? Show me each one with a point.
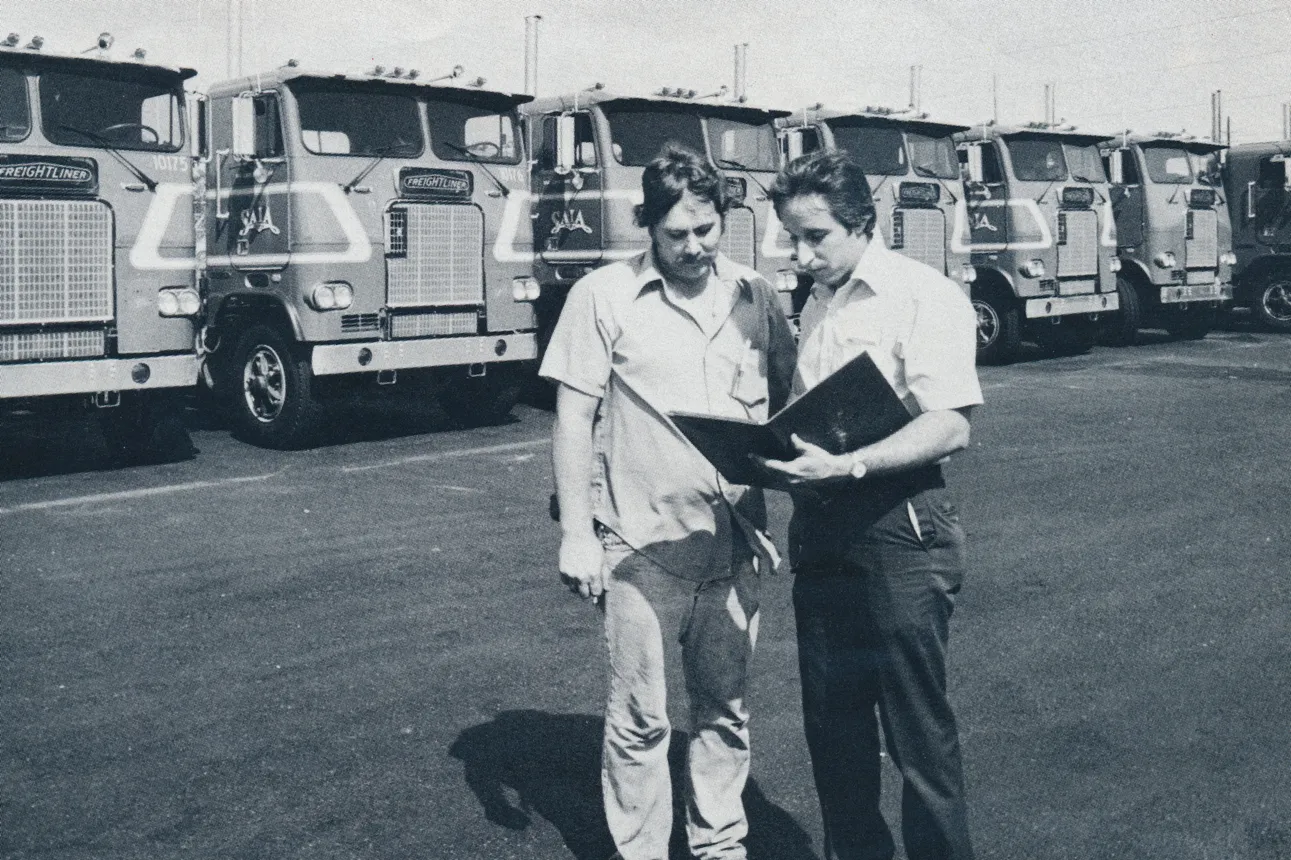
(854, 406)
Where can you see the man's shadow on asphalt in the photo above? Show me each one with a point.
(552, 763)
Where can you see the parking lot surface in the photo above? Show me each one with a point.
(362, 650)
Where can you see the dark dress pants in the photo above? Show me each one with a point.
(873, 611)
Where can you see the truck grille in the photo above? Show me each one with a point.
(923, 236)
(1201, 248)
(437, 258)
(739, 236)
(1078, 254)
(55, 261)
(431, 324)
(46, 345)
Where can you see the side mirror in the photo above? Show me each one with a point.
(566, 148)
(1116, 166)
(793, 145)
(244, 126)
(199, 141)
(975, 171)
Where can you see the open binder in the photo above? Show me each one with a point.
(854, 406)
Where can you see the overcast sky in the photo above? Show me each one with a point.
(1143, 64)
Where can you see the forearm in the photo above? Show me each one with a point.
(925, 440)
(572, 457)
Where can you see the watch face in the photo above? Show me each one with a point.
(858, 468)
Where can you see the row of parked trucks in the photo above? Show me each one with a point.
(298, 231)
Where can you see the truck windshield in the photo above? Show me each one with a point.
(878, 149)
(752, 145)
(471, 132)
(15, 114)
(347, 121)
(1168, 164)
(110, 111)
(1085, 163)
(638, 135)
(933, 156)
(1037, 160)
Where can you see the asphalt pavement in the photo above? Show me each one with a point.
(362, 650)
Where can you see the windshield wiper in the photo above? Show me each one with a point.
(129, 165)
(727, 162)
(928, 173)
(506, 192)
(381, 154)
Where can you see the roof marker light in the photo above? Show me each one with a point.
(378, 71)
(396, 72)
(12, 40)
(413, 74)
(36, 43)
(477, 82)
(293, 63)
(139, 53)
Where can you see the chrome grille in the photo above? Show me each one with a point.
(427, 325)
(1202, 250)
(443, 260)
(1078, 255)
(360, 322)
(55, 261)
(739, 236)
(925, 237)
(45, 345)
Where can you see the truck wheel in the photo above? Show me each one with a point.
(475, 401)
(1122, 327)
(146, 427)
(1273, 303)
(1190, 324)
(999, 328)
(1069, 337)
(270, 391)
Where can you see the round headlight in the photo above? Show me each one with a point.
(323, 297)
(532, 291)
(167, 303)
(189, 302)
(517, 289)
(344, 295)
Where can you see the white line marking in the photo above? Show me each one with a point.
(445, 455)
(143, 492)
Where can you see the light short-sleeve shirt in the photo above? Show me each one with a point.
(916, 324)
(624, 337)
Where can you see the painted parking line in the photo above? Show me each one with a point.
(140, 493)
(448, 455)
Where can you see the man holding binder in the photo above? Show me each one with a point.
(875, 541)
(649, 529)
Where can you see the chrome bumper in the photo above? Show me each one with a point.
(1061, 306)
(361, 357)
(1197, 293)
(41, 379)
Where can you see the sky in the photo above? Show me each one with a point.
(1148, 65)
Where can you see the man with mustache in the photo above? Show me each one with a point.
(875, 541)
(670, 550)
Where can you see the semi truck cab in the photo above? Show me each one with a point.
(1257, 182)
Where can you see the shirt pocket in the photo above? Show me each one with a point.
(749, 386)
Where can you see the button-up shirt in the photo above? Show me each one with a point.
(916, 324)
(624, 337)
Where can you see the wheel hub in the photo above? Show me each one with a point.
(1277, 302)
(264, 384)
(988, 324)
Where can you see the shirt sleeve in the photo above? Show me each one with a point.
(580, 351)
(782, 351)
(940, 354)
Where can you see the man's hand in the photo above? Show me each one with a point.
(580, 565)
(813, 467)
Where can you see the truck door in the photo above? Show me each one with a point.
(1269, 202)
(1127, 198)
(251, 177)
(569, 222)
(987, 193)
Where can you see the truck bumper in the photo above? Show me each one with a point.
(41, 379)
(1196, 293)
(1061, 306)
(334, 358)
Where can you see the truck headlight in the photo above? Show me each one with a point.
(1228, 258)
(786, 281)
(178, 302)
(1032, 269)
(1165, 260)
(525, 289)
(1114, 263)
(331, 296)
(967, 274)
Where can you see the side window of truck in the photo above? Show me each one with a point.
(268, 127)
(584, 141)
(1272, 174)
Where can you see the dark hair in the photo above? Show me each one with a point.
(834, 176)
(673, 172)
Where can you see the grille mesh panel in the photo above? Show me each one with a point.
(1079, 256)
(925, 237)
(443, 262)
(43, 345)
(739, 237)
(55, 261)
(426, 325)
(1202, 249)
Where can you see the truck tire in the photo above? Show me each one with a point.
(1122, 327)
(999, 327)
(1272, 302)
(1190, 324)
(146, 427)
(1072, 336)
(270, 390)
(476, 401)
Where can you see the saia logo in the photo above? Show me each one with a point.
(255, 220)
(981, 222)
(569, 221)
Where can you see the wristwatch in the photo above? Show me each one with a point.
(857, 468)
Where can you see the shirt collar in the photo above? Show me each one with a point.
(648, 275)
(871, 269)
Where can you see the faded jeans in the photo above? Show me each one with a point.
(649, 613)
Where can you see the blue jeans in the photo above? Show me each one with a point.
(648, 613)
(873, 620)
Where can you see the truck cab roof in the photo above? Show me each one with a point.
(1068, 134)
(289, 73)
(39, 60)
(871, 116)
(725, 110)
(1185, 142)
